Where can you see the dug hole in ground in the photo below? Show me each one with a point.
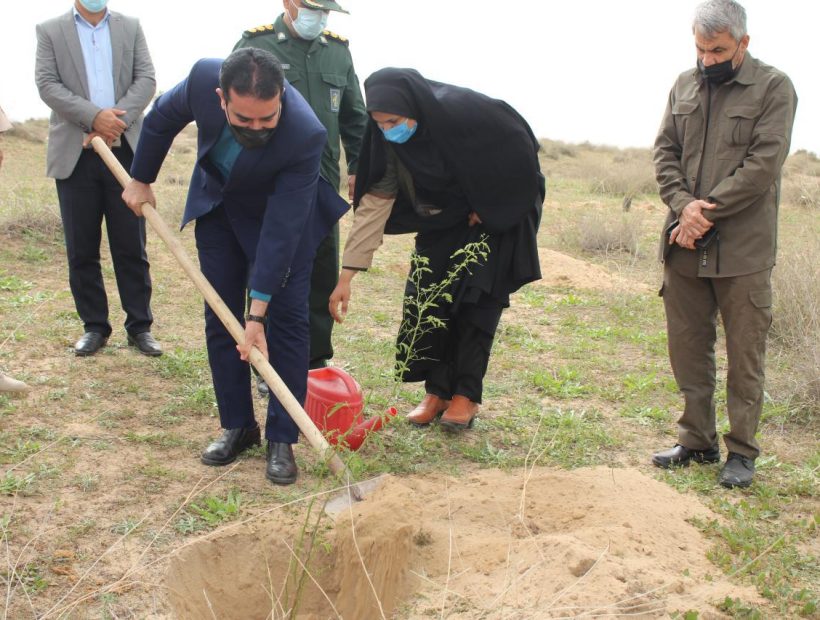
(539, 543)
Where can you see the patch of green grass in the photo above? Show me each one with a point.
(17, 452)
(158, 440)
(11, 484)
(646, 416)
(184, 365)
(13, 284)
(485, 453)
(561, 383)
(124, 527)
(570, 438)
(87, 482)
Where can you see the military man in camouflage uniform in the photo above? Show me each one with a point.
(318, 64)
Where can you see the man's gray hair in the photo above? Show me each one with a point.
(715, 16)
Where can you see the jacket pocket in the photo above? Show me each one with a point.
(335, 84)
(686, 121)
(738, 130)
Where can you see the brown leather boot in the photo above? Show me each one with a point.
(460, 414)
(428, 410)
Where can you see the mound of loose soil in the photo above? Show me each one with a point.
(548, 544)
(559, 269)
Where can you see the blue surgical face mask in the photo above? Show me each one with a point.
(94, 6)
(400, 133)
(309, 23)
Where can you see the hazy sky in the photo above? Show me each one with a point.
(578, 70)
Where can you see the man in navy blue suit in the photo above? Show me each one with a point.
(261, 210)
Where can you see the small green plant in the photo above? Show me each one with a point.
(214, 510)
(561, 383)
(420, 316)
(11, 484)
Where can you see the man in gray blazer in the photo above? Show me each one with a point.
(94, 71)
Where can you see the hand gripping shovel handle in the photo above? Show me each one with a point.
(277, 386)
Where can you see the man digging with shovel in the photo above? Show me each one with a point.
(261, 210)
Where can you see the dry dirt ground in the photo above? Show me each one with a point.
(101, 474)
(540, 543)
(536, 543)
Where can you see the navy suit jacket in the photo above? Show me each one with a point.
(278, 205)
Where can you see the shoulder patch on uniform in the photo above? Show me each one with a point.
(255, 32)
(336, 37)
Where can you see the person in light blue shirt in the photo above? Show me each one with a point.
(94, 71)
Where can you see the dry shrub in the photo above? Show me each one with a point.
(555, 149)
(602, 233)
(32, 130)
(796, 325)
(625, 173)
(801, 190)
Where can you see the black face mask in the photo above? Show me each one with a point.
(250, 138)
(720, 72)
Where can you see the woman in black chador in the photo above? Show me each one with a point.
(455, 167)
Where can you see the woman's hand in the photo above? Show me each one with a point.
(473, 219)
(341, 295)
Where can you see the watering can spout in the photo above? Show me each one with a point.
(356, 437)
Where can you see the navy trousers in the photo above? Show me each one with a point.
(226, 265)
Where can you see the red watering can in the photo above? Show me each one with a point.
(334, 403)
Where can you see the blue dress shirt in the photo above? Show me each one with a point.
(99, 66)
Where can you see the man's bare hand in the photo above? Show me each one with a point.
(108, 123)
(89, 137)
(137, 194)
(692, 224)
(473, 219)
(254, 337)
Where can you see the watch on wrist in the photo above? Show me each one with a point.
(256, 318)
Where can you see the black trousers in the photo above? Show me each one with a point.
(88, 196)
(453, 357)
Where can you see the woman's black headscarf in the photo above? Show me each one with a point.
(484, 143)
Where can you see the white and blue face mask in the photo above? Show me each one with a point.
(94, 6)
(309, 23)
(401, 133)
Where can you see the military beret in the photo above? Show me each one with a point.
(323, 5)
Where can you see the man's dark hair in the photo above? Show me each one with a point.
(250, 71)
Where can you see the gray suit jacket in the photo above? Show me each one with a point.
(61, 79)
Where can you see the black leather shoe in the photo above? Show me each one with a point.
(233, 441)
(89, 344)
(738, 471)
(281, 467)
(680, 456)
(262, 387)
(145, 343)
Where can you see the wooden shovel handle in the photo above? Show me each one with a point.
(277, 386)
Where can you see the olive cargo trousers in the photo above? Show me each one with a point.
(692, 304)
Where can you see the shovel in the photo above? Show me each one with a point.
(277, 386)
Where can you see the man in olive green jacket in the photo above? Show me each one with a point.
(718, 157)
(318, 64)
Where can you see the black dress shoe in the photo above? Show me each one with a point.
(89, 344)
(233, 441)
(145, 343)
(281, 467)
(680, 456)
(738, 471)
